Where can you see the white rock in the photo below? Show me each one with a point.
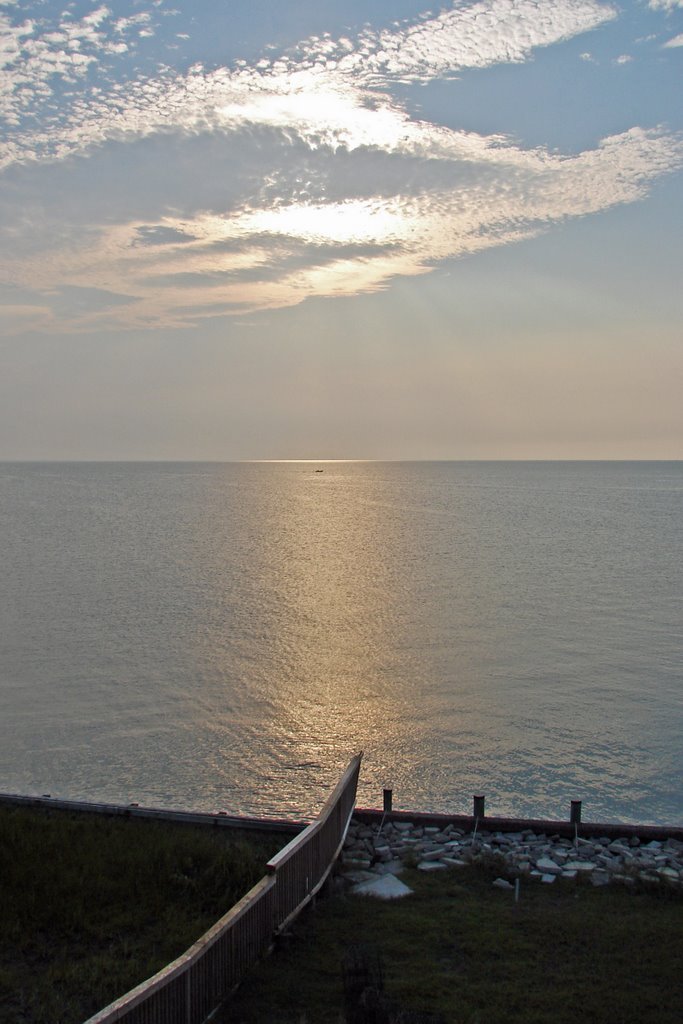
(355, 862)
(547, 866)
(580, 865)
(433, 854)
(386, 887)
(668, 873)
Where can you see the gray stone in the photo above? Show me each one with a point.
(548, 867)
(603, 859)
(502, 883)
(580, 865)
(390, 867)
(668, 873)
(356, 862)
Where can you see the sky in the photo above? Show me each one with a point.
(249, 229)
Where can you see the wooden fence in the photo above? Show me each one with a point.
(188, 990)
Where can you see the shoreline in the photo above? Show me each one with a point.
(369, 816)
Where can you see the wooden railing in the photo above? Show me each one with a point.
(188, 990)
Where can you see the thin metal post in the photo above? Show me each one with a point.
(388, 795)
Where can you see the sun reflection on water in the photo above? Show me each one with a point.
(234, 633)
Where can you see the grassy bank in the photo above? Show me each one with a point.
(464, 952)
(91, 905)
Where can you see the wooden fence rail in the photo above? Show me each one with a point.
(188, 990)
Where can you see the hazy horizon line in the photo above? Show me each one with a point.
(307, 461)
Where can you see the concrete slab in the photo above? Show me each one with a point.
(386, 887)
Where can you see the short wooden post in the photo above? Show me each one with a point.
(479, 807)
(388, 795)
(575, 812)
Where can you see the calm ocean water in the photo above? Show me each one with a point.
(227, 635)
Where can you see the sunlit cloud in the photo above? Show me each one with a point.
(486, 33)
(676, 41)
(317, 91)
(36, 57)
(321, 182)
(184, 269)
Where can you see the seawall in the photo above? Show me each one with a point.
(370, 816)
(219, 820)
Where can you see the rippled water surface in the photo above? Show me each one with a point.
(226, 636)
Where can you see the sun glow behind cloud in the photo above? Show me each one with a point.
(338, 188)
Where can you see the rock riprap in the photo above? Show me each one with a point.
(372, 850)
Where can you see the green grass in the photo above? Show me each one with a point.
(90, 906)
(463, 950)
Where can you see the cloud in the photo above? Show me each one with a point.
(277, 253)
(676, 41)
(296, 91)
(157, 234)
(475, 36)
(84, 300)
(664, 5)
(260, 186)
(38, 55)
